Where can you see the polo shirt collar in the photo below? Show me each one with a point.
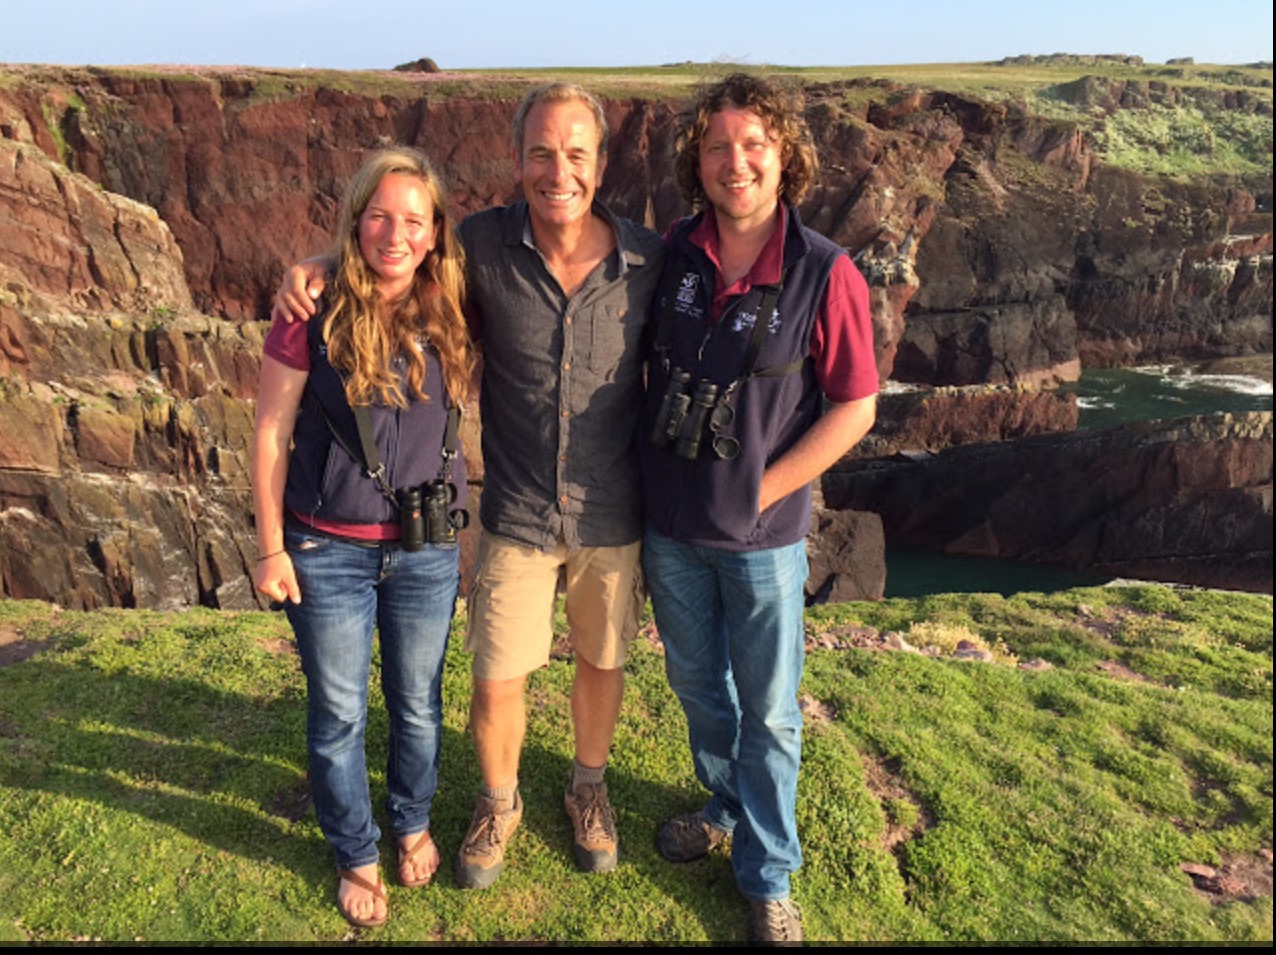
(768, 267)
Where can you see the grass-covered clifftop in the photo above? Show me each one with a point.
(1178, 119)
(1104, 774)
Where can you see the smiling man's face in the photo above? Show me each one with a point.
(560, 168)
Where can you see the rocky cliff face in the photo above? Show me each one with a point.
(1187, 501)
(1008, 250)
(123, 471)
(144, 221)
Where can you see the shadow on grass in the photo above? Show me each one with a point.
(227, 769)
(223, 768)
(644, 899)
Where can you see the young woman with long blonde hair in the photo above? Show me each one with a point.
(347, 546)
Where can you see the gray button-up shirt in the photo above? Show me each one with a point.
(562, 382)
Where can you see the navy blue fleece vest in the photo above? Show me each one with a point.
(325, 482)
(710, 501)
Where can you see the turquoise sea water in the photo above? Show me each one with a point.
(1109, 396)
(1106, 397)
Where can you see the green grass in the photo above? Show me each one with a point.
(152, 783)
(1196, 134)
(1184, 141)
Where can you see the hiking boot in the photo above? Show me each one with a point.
(593, 827)
(689, 837)
(777, 921)
(482, 855)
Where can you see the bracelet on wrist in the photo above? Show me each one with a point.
(275, 553)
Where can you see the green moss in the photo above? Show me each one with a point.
(152, 784)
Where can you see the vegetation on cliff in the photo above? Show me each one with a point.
(1104, 774)
(1181, 119)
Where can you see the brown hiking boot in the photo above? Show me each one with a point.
(482, 855)
(778, 921)
(593, 827)
(689, 837)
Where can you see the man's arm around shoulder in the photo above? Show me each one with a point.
(299, 289)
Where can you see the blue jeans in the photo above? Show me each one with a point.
(346, 589)
(731, 623)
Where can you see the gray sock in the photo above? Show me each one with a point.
(503, 796)
(586, 775)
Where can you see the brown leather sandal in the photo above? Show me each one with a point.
(423, 843)
(378, 892)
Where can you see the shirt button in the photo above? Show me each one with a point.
(567, 366)
(564, 413)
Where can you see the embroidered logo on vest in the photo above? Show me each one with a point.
(744, 321)
(684, 301)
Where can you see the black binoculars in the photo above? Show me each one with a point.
(424, 517)
(687, 412)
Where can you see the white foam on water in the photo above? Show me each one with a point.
(1182, 378)
(892, 387)
(1237, 384)
(1086, 403)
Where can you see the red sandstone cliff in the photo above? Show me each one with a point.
(144, 221)
(973, 220)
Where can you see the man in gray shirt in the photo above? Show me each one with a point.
(559, 290)
(558, 294)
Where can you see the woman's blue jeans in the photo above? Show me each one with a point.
(731, 624)
(346, 588)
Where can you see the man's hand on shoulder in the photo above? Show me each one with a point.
(300, 289)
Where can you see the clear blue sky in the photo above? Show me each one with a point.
(346, 34)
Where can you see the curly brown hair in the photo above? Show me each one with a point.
(781, 110)
(365, 333)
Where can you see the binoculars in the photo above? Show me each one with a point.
(424, 517)
(687, 412)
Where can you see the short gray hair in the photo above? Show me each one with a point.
(559, 93)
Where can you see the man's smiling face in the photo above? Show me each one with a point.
(560, 168)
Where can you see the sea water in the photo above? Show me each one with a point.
(1105, 397)
(1109, 396)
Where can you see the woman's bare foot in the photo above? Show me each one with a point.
(418, 859)
(361, 896)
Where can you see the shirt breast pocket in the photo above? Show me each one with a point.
(615, 342)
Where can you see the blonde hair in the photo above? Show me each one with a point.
(365, 334)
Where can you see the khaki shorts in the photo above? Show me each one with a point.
(513, 598)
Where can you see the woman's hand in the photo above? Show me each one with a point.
(279, 394)
(276, 578)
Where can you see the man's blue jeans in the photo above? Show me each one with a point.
(346, 588)
(731, 624)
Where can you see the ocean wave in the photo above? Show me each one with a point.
(1183, 378)
(893, 387)
(1094, 403)
(1236, 384)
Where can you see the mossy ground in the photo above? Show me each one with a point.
(152, 783)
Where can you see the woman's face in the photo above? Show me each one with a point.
(396, 232)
